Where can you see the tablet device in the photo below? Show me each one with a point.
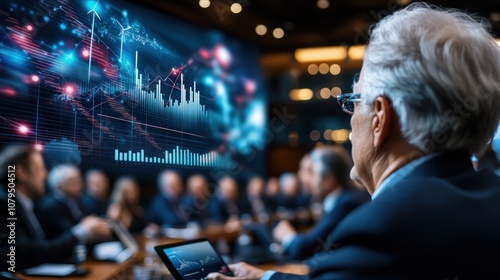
(192, 260)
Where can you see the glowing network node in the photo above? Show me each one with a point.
(85, 53)
(38, 147)
(23, 129)
(69, 89)
(35, 78)
(29, 27)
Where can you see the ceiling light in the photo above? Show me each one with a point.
(305, 55)
(340, 135)
(312, 69)
(328, 134)
(323, 68)
(495, 17)
(301, 94)
(335, 69)
(236, 8)
(323, 4)
(324, 93)
(278, 33)
(356, 52)
(261, 29)
(314, 135)
(204, 3)
(403, 2)
(336, 91)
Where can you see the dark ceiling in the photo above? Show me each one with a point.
(305, 25)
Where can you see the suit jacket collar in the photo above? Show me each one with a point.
(444, 165)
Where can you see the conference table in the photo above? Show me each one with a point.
(102, 270)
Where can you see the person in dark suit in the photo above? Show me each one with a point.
(63, 202)
(428, 98)
(32, 247)
(199, 200)
(95, 197)
(227, 204)
(169, 207)
(330, 181)
(256, 199)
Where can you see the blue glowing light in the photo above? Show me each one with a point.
(62, 26)
(208, 80)
(89, 5)
(46, 18)
(124, 13)
(61, 43)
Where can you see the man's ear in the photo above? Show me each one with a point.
(382, 120)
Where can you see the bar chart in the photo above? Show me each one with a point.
(176, 156)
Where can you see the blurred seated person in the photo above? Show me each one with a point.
(227, 205)
(291, 199)
(32, 246)
(95, 197)
(199, 199)
(61, 209)
(125, 207)
(272, 193)
(256, 197)
(168, 207)
(312, 203)
(329, 181)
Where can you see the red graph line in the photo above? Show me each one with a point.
(159, 127)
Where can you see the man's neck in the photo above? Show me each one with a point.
(390, 161)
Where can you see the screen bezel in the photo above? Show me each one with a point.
(160, 250)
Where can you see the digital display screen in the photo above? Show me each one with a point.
(112, 85)
(196, 261)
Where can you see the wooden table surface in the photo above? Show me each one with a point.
(101, 270)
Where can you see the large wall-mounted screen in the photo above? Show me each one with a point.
(111, 85)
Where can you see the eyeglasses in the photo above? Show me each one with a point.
(346, 101)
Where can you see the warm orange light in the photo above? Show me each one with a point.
(305, 55)
(301, 94)
(356, 52)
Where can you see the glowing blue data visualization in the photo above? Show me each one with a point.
(111, 85)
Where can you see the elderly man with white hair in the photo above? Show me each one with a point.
(61, 209)
(427, 99)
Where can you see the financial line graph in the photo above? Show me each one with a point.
(188, 264)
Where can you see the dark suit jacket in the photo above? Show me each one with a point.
(305, 245)
(93, 205)
(168, 213)
(220, 211)
(55, 216)
(30, 249)
(442, 221)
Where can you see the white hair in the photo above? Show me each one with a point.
(59, 174)
(441, 71)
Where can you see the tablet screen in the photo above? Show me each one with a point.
(195, 260)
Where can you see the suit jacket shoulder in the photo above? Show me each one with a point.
(435, 224)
